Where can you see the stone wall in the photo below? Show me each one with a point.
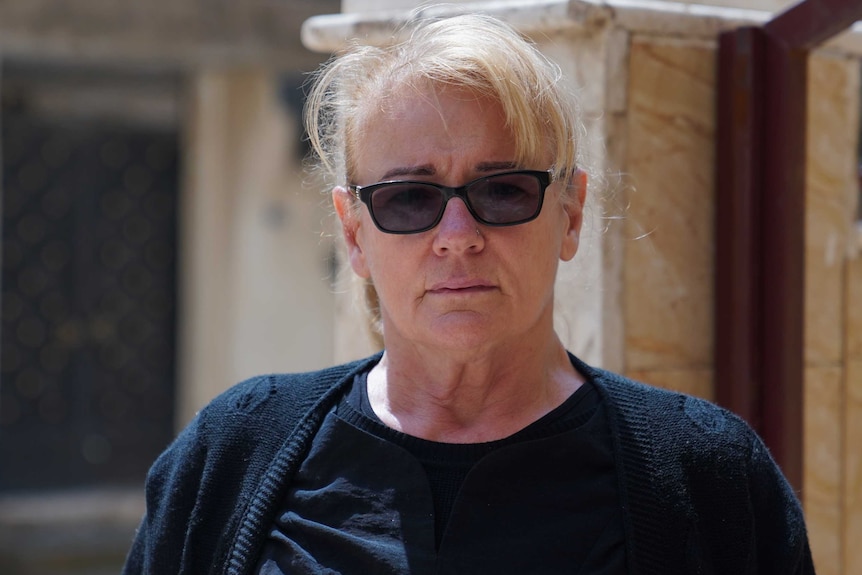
(257, 287)
(833, 321)
(669, 256)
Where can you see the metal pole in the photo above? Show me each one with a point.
(760, 207)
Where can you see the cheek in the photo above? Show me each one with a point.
(546, 255)
(388, 260)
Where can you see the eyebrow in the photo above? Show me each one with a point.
(430, 170)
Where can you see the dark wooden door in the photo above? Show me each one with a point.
(88, 301)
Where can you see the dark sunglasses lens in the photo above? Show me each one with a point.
(406, 207)
(507, 198)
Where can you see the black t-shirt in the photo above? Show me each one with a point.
(369, 499)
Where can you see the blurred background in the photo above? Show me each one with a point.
(145, 146)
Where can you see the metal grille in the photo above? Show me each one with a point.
(88, 302)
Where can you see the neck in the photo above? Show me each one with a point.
(472, 398)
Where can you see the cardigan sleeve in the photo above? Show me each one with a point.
(172, 488)
(198, 487)
(780, 533)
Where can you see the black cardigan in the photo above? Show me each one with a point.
(699, 490)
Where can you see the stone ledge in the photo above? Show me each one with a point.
(65, 507)
(174, 34)
(69, 533)
(330, 33)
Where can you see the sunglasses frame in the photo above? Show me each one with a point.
(364, 193)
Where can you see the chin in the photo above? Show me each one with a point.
(455, 331)
(461, 332)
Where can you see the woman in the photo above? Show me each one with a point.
(475, 443)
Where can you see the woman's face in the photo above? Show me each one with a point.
(451, 287)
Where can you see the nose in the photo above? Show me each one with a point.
(456, 231)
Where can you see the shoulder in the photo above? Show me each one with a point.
(670, 418)
(207, 478)
(707, 471)
(289, 395)
(245, 426)
(635, 400)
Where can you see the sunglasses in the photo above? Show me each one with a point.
(408, 207)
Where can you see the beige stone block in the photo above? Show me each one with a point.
(668, 278)
(823, 465)
(853, 468)
(831, 192)
(770, 5)
(697, 382)
(583, 319)
(256, 291)
(854, 307)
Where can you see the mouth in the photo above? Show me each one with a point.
(461, 287)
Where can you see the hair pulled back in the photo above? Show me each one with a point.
(473, 52)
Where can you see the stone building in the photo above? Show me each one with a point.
(161, 240)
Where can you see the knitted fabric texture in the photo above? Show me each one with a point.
(699, 491)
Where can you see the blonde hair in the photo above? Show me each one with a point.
(474, 52)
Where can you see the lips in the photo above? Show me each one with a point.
(464, 285)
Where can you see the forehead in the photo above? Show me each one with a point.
(443, 126)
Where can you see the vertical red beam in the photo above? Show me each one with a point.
(782, 226)
(760, 208)
(737, 201)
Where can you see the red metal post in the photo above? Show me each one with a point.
(782, 226)
(761, 220)
(808, 24)
(738, 185)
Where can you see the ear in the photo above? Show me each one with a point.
(342, 200)
(574, 209)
